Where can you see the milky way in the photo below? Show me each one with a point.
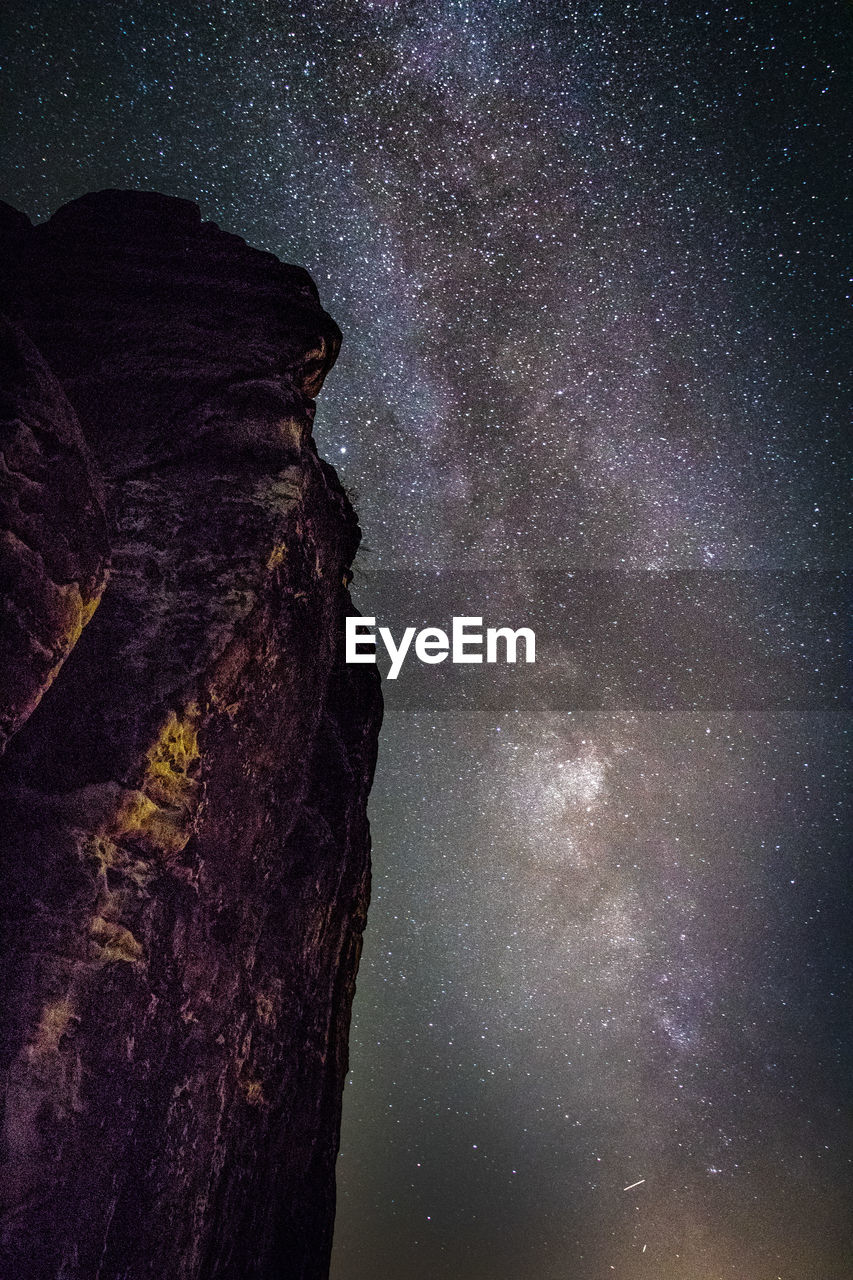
(588, 261)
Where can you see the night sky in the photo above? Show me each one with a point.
(589, 262)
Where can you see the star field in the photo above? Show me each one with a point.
(589, 262)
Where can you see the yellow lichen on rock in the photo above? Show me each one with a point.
(77, 611)
(165, 830)
(52, 1026)
(168, 777)
(71, 611)
(277, 554)
(115, 942)
(253, 1091)
(160, 812)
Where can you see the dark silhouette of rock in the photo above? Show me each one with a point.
(184, 866)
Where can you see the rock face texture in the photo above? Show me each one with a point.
(53, 537)
(184, 850)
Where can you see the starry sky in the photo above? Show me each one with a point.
(589, 261)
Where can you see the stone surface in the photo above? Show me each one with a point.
(53, 540)
(185, 850)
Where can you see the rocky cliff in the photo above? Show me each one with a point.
(185, 853)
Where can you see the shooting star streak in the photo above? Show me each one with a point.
(634, 1184)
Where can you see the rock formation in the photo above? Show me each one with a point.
(184, 850)
(53, 542)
